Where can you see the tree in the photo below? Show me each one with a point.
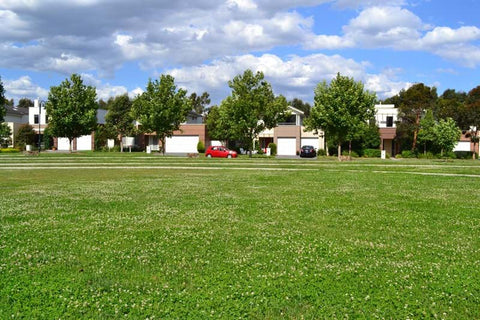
(412, 104)
(119, 117)
(446, 134)
(72, 109)
(300, 105)
(25, 103)
(451, 104)
(3, 110)
(251, 108)
(426, 134)
(161, 108)
(340, 109)
(25, 135)
(472, 112)
(216, 126)
(5, 134)
(199, 103)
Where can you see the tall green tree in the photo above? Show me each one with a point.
(451, 104)
(472, 111)
(216, 126)
(3, 110)
(340, 109)
(161, 108)
(119, 117)
(300, 105)
(25, 135)
(199, 103)
(426, 134)
(25, 103)
(412, 105)
(251, 108)
(72, 109)
(447, 134)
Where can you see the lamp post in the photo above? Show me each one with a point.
(40, 104)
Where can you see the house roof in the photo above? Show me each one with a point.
(16, 111)
(295, 110)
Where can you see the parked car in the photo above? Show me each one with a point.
(220, 152)
(308, 152)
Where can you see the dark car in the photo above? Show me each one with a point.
(308, 152)
(220, 151)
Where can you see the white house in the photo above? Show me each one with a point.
(386, 117)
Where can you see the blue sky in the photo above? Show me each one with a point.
(117, 45)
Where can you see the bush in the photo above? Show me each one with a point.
(427, 155)
(372, 153)
(353, 154)
(26, 135)
(464, 154)
(408, 154)
(450, 155)
(273, 148)
(9, 150)
(200, 147)
(321, 152)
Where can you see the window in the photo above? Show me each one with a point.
(35, 118)
(389, 121)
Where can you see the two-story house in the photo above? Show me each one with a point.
(386, 117)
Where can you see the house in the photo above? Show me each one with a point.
(386, 117)
(15, 118)
(290, 135)
(184, 140)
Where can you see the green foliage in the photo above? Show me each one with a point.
(71, 109)
(25, 103)
(200, 147)
(447, 135)
(408, 154)
(353, 154)
(372, 153)
(251, 108)
(199, 103)
(25, 135)
(5, 135)
(47, 139)
(370, 137)
(426, 133)
(9, 150)
(412, 103)
(464, 154)
(119, 118)
(341, 109)
(321, 152)
(451, 104)
(273, 148)
(161, 108)
(217, 126)
(3, 101)
(300, 105)
(426, 155)
(102, 134)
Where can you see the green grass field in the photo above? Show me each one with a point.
(137, 236)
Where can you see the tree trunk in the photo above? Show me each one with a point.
(162, 139)
(339, 151)
(350, 148)
(70, 142)
(120, 138)
(415, 132)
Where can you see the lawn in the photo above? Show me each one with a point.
(137, 236)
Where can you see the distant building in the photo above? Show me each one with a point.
(386, 117)
(15, 118)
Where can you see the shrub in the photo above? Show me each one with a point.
(427, 155)
(321, 152)
(200, 147)
(408, 154)
(273, 148)
(26, 135)
(9, 150)
(372, 153)
(353, 154)
(450, 155)
(464, 154)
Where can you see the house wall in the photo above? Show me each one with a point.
(288, 131)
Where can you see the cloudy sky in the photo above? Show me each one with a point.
(117, 45)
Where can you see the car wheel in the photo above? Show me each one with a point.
(229, 156)
(209, 155)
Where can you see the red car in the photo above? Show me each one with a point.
(219, 151)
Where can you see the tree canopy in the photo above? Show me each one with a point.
(25, 103)
(300, 105)
(161, 108)
(446, 134)
(72, 109)
(251, 108)
(199, 103)
(341, 109)
(3, 101)
(119, 117)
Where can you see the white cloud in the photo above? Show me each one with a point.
(294, 77)
(23, 87)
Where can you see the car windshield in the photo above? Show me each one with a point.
(307, 147)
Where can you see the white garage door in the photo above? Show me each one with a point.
(286, 146)
(181, 144)
(462, 146)
(84, 143)
(310, 142)
(62, 144)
